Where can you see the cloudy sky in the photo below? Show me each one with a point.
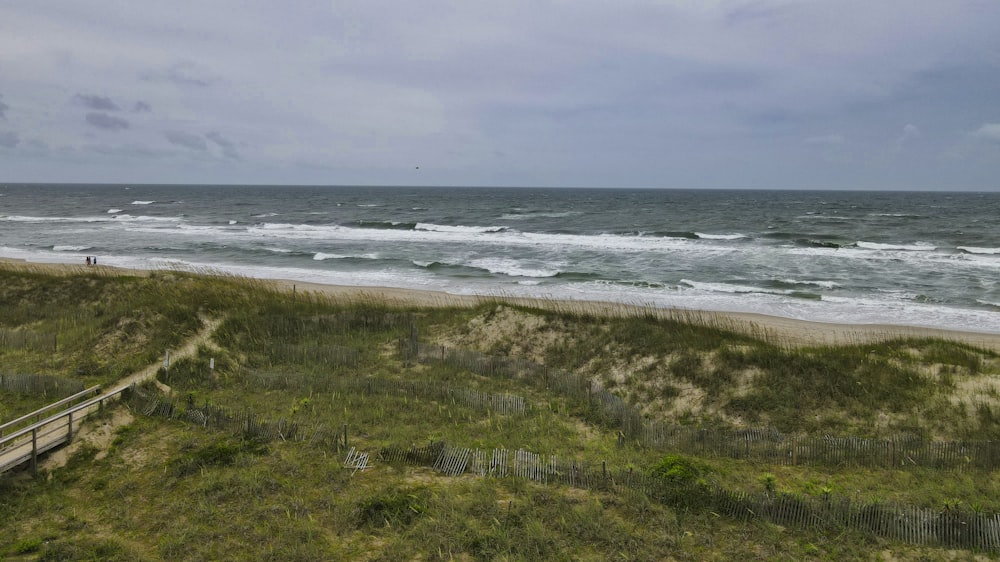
(844, 94)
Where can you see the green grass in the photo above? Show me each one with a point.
(170, 490)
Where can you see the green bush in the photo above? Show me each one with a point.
(395, 507)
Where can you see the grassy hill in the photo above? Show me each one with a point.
(245, 458)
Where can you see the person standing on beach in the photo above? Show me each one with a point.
(88, 260)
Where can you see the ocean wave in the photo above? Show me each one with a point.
(810, 243)
(916, 247)
(747, 289)
(730, 288)
(70, 248)
(539, 214)
(896, 215)
(85, 219)
(388, 225)
(679, 234)
(232, 222)
(264, 215)
(975, 250)
(988, 303)
(468, 235)
(143, 202)
(430, 227)
(320, 256)
(513, 268)
(113, 211)
(815, 283)
(734, 236)
(834, 218)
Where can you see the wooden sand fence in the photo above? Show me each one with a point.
(759, 444)
(503, 404)
(242, 422)
(564, 383)
(770, 445)
(44, 385)
(28, 340)
(949, 528)
(326, 354)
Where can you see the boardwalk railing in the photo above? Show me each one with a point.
(37, 414)
(761, 444)
(26, 444)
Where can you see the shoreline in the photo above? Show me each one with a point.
(785, 330)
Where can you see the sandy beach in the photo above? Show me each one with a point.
(785, 330)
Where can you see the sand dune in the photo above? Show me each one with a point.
(786, 330)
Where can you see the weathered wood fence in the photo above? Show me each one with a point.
(760, 444)
(243, 422)
(44, 385)
(504, 404)
(326, 354)
(28, 340)
(950, 528)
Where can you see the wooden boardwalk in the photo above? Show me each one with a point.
(26, 444)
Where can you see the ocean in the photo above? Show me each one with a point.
(918, 259)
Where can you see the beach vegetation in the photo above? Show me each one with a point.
(342, 371)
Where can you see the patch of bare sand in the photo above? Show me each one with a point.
(90, 435)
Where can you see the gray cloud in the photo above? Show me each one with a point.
(142, 107)
(989, 132)
(910, 132)
(182, 74)
(228, 147)
(3, 108)
(107, 122)
(826, 140)
(100, 103)
(187, 140)
(9, 139)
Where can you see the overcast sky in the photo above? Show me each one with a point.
(843, 94)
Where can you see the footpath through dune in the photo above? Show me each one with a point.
(100, 435)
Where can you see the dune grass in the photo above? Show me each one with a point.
(170, 490)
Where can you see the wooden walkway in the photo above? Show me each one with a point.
(26, 444)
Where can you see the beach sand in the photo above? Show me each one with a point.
(784, 330)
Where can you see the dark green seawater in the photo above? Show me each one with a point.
(924, 258)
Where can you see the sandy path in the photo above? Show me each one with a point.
(101, 435)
